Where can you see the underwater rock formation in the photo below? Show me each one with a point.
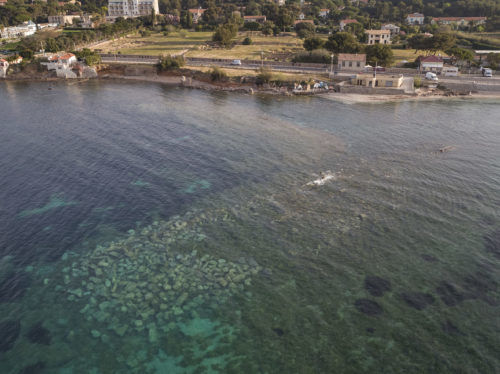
(145, 281)
(38, 334)
(33, 369)
(492, 243)
(13, 286)
(368, 307)
(417, 300)
(9, 332)
(449, 294)
(377, 286)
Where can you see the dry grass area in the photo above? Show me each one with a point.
(291, 77)
(197, 44)
(409, 55)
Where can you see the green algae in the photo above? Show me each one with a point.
(140, 183)
(56, 201)
(196, 186)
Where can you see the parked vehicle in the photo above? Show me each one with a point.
(236, 62)
(431, 76)
(487, 73)
(449, 71)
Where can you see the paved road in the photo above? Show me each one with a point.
(473, 78)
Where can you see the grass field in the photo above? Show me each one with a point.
(194, 44)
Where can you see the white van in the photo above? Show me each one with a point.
(487, 73)
(449, 71)
(431, 76)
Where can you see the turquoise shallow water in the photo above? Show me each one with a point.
(154, 230)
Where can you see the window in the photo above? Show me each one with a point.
(359, 64)
(388, 83)
(343, 63)
(350, 64)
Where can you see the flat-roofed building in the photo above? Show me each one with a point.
(131, 8)
(350, 61)
(370, 80)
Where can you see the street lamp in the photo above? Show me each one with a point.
(331, 65)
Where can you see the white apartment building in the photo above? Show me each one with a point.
(132, 8)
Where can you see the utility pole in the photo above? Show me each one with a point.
(331, 66)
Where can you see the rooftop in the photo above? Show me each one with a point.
(416, 15)
(352, 57)
(459, 18)
(377, 32)
(431, 58)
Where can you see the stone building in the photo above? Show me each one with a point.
(378, 36)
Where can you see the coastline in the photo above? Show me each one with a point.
(189, 82)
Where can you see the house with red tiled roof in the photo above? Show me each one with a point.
(197, 13)
(430, 63)
(324, 12)
(3, 2)
(415, 19)
(64, 61)
(346, 22)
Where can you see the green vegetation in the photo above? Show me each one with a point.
(170, 62)
(217, 74)
(224, 34)
(379, 54)
(91, 58)
(320, 56)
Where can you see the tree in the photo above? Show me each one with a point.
(252, 26)
(493, 60)
(379, 54)
(310, 44)
(461, 54)
(442, 41)
(420, 42)
(305, 30)
(187, 19)
(342, 42)
(224, 34)
(267, 28)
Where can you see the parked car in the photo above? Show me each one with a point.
(431, 76)
(487, 73)
(236, 62)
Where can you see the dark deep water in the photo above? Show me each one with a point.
(146, 229)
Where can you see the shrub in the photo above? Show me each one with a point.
(170, 62)
(217, 74)
(145, 33)
(264, 76)
(417, 82)
(320, 56)
(27, 54)
(247, 41)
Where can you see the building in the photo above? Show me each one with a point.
(372, 80)
(25, 29)
(346, 22)
(258, 19)
(72, 19)
(415, 19)
(197, 14)
(324, 12)
(392, 28)
(297, 21)
(350, 61)
(430, 63)
(459, 21)
(378, 36)
(61, 62)
(4, 65)
(132, 8)
(280, 2)
(302, 15)
(3, 2)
